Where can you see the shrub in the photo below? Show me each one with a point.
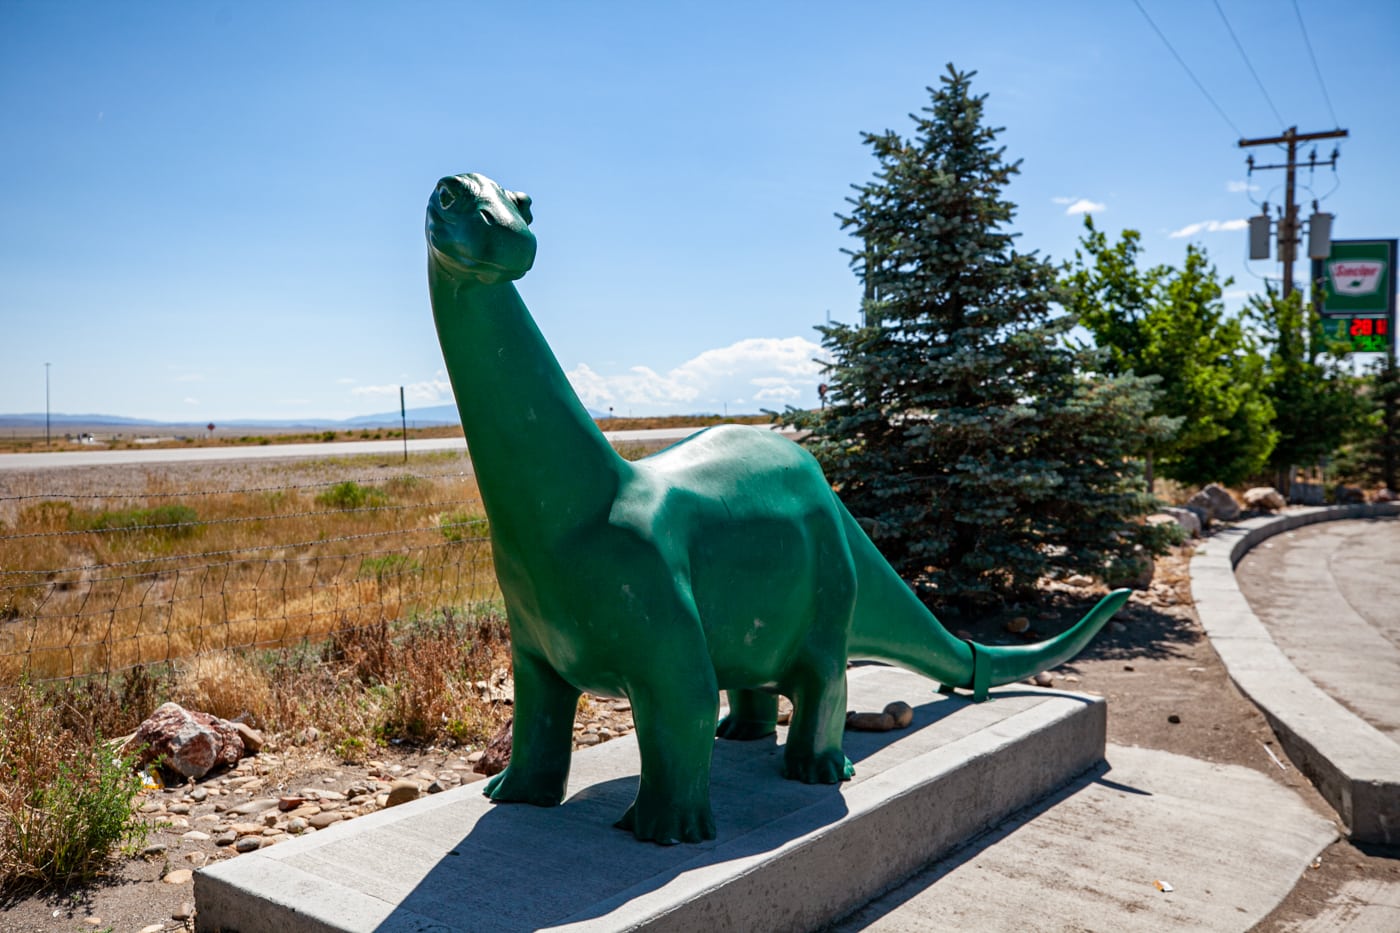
(224, 684)
(351, 495)
(461, 526)
(65, 804)
(170, 521)
(388, 565)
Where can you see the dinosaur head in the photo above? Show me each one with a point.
(478, 230)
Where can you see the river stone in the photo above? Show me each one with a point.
(402, 792)
(254, 806)
(324, 819)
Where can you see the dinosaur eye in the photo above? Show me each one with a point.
(445, 197)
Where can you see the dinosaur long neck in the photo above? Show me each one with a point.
(540, 461)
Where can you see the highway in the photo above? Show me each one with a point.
(174, 454)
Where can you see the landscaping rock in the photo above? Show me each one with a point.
(902, 712)
(1189, 520)
(252, 739)
(869, 722)
(255, 806)
(248, 844)
(497, 753)
(1264, 498)
(179, 876)
(186, 741)
(402, 792)
(1216, 502)
(322, 820)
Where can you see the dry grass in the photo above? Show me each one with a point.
(105, 582)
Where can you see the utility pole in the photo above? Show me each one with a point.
(47, 443)
(1288, 227)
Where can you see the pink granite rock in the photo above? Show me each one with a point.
(188, 742)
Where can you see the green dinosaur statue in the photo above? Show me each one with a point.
(723, 562)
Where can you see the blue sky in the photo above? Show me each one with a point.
(212, 210)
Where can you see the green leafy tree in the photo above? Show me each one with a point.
(1171, 323)
(1374, 454)
(959, 428)
(1315, 400)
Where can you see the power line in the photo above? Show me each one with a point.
(1191, 74)
(1247, 63)
(1313, 58)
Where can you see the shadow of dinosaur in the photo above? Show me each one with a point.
(723, 562)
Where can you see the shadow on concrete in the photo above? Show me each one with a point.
(967, 851)
(522, 867)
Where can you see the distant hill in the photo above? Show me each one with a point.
(433, 416)
(426, 417)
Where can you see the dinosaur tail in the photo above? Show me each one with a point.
(891, 624)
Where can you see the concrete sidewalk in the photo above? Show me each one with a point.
(1353, 764)
(1228, 841)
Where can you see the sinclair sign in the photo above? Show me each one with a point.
(1358, 278)
(1356, 294)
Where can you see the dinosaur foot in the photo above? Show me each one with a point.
(744, 730)
(670, 826)
(511, 787)
(830, 767)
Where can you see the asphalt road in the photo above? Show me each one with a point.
(166, 455)
(1329, 595)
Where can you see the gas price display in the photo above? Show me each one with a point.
(1364, 334)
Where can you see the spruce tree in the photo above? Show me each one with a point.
(959, 428)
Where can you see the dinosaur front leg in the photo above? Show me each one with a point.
(813, 754)
(675, 716)
(541, 736)
(753, 714)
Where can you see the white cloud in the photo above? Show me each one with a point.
(1240, 187)
(1209, 226)
(428, 391)
(191, 401)
(767, 369)
(1085, 206)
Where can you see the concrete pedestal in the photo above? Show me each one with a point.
(788, 857)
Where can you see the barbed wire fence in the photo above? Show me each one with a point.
(99, 583)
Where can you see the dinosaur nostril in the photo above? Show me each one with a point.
(445, 197)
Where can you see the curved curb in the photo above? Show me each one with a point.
(1354, 765)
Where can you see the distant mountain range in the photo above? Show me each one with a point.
(431, 416)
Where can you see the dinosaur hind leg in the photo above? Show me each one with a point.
(813, 754)
(753, 714)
